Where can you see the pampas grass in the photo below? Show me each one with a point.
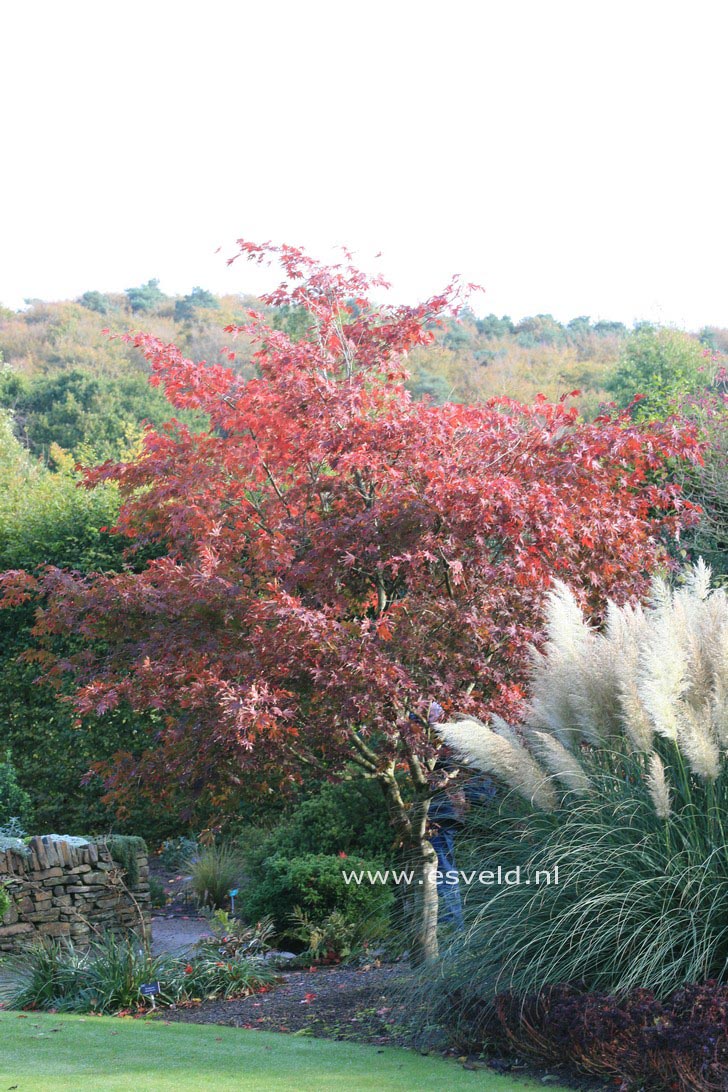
(560, 762)
(658, 788)
(625, 738)
(658, 672)
(509, 760)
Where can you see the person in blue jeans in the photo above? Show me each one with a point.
(446, 816)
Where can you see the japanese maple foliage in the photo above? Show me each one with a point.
(332, 556)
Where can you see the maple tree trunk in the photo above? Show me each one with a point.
(424, 947)
(418, 901)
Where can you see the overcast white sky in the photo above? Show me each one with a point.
(569, 156)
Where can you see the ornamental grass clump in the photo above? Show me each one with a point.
(215, 871)
(107, 976)
(104, 977)
(619, 780)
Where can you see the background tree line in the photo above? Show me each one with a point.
(67, 382)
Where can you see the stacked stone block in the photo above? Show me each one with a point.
(62, 889)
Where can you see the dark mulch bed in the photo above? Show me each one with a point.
(330, 1002)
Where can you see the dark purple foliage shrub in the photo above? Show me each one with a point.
(676, 1045)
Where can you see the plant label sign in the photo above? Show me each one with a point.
(149, 989)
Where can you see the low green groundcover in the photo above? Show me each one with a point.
(75, 1053)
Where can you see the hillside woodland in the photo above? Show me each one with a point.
(67, 382)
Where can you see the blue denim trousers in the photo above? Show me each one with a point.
(451, 907)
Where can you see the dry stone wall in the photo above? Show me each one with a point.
(71, 888)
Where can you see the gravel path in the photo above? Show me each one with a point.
(176, 935)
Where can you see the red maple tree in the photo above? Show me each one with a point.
(333, 556)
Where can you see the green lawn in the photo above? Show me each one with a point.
(103, 1054)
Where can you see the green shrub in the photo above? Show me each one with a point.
(706, 484)
(335, 936)
(314, 885)
(92, 416)
(14, 801)
(335, 818)
(178, 852)
(157, 893)
(625, 758)
(215, 871)
(340, 818)
(209, 976)
(297, 867)
(661, 364)
(230, 936)
(46, 519)
(52, 754)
